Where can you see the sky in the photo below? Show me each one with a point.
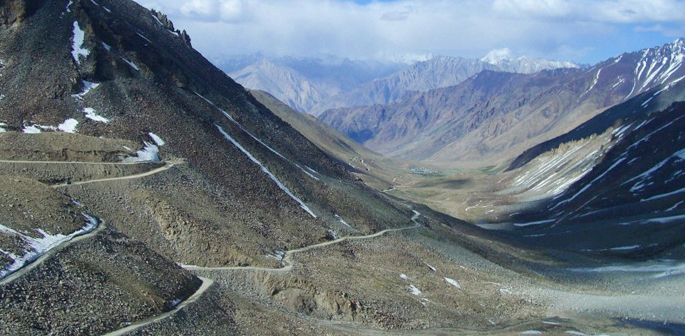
(583, 31)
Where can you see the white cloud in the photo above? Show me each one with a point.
(234, 10)
(559, 29)
(201, 9)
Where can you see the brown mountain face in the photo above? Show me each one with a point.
(144, 78)
(493, 116)
(145, 192)
(240, 185)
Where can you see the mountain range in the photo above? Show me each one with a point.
(145, 192)
(496, 115)
(301, 83)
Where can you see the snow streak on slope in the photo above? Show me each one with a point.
(266, 171)
(68, 126)
(593, 83)
(87, 86)
(39, 246)
(642, 178)
(258, 140)
(657, 66)
(149, 153)
(77, 46)
(552, 173)
(92, 115)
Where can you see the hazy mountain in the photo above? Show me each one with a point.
(314, 85)
(505, 60)
(438, 72)
(281, 81)
(303, 82)
(495, 115)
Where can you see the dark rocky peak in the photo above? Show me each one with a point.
(166, 23)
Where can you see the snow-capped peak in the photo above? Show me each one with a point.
(498, 55)
(506, 60)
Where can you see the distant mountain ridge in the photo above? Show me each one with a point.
(314, 85)
(494, 113)
(303, 82)
(506, 61)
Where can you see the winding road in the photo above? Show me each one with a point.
(168, 165)
(287, 259)
(206, 283)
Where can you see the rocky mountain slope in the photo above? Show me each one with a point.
(373, 168)
(211, 215)
(630, 202)
(249, 185)
(495, 115)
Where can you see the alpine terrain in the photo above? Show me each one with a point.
(315, 85)
(494, 115)
(144, 192)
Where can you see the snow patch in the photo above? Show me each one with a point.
(266, 171)
(404, 277)
(675, 206)
(642, 178)
(531, 332)
(534, 223)
(156, 19)
(131, 64)
(92, 115)
(431, 267)
(343, 222)
(2, 125)
(625, 248)
(593, 83)
(68, 126)
(106, 46)
(40, 246)
(77, 46)
(578, 333)
(586, 187)
(143, 37)
(414, 291)
(33, 129)
(662, 268)
(149, 153)
(453, 283)
(159, 141)
(87, 86)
